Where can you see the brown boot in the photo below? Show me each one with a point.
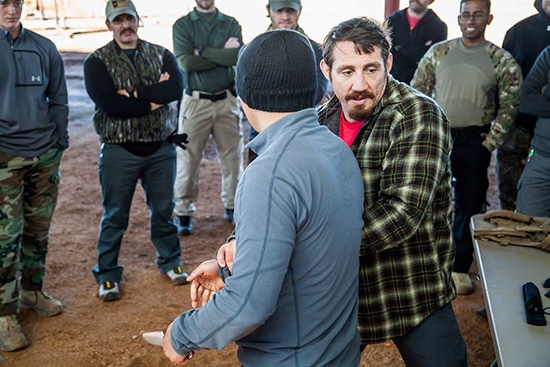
(11, 334)
(41, 302)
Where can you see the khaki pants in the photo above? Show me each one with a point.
(200, 118)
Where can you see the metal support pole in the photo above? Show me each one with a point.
(391, 7)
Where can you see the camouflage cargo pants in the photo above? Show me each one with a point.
(511, 158)
(28, 195)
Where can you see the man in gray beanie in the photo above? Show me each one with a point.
(291, 298)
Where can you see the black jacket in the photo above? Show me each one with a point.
(525, 40)
(409, 46)
(528, 37)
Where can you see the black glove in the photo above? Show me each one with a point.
(60, 145)
(179, 139)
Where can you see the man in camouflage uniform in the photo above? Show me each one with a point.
(477, 84)
(33, 126)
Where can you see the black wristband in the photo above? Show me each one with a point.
(223, 272)
(200, 50)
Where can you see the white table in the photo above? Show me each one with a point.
(503, 271)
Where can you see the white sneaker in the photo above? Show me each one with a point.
(108, 291)
(463, 283)
(176, 275)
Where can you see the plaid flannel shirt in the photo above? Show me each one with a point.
(407, 251)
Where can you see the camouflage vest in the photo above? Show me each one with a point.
(144, 70)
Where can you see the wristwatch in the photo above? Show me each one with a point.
(130, 89)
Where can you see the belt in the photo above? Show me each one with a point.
(211, 97)
(525, 123)
(457, 132)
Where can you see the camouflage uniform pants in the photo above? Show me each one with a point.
(28, 195)
(511, 158)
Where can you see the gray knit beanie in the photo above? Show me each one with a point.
(277, 72)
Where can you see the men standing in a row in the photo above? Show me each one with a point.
(477, 84)
(206, 45)
(132, 82)
(414, 30)
(525, 40)
(34, 117)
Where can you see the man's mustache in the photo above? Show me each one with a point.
(360, 95)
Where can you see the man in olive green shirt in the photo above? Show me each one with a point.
(206, 45)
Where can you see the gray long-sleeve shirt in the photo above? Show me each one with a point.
(34, 112)
(292, 297)
(537, 103)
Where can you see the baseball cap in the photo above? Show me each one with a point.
(277, 5)
(115, 8)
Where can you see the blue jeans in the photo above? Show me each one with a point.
(119, 172)
(469, 163)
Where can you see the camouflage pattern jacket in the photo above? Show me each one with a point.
(119, 119)
(475, 86)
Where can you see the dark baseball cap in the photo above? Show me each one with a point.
(277, 5)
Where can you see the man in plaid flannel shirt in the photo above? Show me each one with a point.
(402, 143)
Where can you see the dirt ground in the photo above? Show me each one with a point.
(93, 333)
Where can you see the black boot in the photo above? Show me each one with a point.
(228, 216)
(184, 225)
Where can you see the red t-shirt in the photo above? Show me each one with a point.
(412, 21)
(349, 130)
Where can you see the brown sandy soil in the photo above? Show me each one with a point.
(94, 333)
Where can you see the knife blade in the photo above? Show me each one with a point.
(153, 337)
(156, 338)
